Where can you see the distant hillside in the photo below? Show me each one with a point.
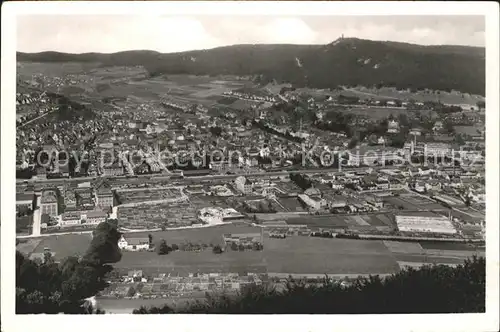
(347, 61)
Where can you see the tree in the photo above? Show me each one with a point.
(163, 248)
(50, 287)
(352, 143)
(459, 139)
(234, 246)
(257, 246)
(150, 238)
(216, 131)
(217, 249)
(48, 258)
(104, 245)
(45, 219)
(131, 291)
(165, 309)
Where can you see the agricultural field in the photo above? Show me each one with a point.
(468, 130)
(292, 204)
(380, 113)
(343, 221)
(25, 70)
(416, 254)
(108, 82)
(334, 256)
(327, 221)
(27, 246)
(404, 247)
(63, 246)
(420, 96)
(414, 203)
(290, 255)
(448, 246)
(184, 262)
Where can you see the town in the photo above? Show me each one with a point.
(220, 182)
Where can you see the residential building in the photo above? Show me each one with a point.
(416, 132)
(69, 199)
(133, 244)
(437, 149)
(375, 201)
(314, 202)
(397, 185)
(371, 157)
(70, 219)
(243, 185)
(94, 217)
(113, 170)
(382, 184)
(438, 126)
(49, 203)
(393, 127)
(419, 186)
(104, 198)
(24, 200)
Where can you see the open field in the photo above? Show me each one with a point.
(292, 204)
(328, 221)
(380, 113)
(205, 235)
(334, 256)
(420, 96)
(185, 262)
(27, 246)
(100, 82)
(26, 69)
(341, 221)
(64, 245)
(298, 254)
(448, 246)
(404, 247)
(290, 255)
(414, 203)
(127, 306)
(428, 259)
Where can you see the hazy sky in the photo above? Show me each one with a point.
(104, 33)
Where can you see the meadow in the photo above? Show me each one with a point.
(419, 96)
(63, 246)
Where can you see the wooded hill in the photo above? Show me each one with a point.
(348, 61)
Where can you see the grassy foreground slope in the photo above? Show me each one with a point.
(431, 289)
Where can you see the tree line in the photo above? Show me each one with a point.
(47, 286)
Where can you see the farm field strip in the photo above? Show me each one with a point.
(404, 247)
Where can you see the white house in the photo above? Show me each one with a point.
(243, 185)
(393, 127)
(133, 244)
(314, 202)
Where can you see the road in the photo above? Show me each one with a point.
(38, 117)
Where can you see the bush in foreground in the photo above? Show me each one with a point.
(51, 288)
(431, 289)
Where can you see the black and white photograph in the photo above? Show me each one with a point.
(251, 158)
